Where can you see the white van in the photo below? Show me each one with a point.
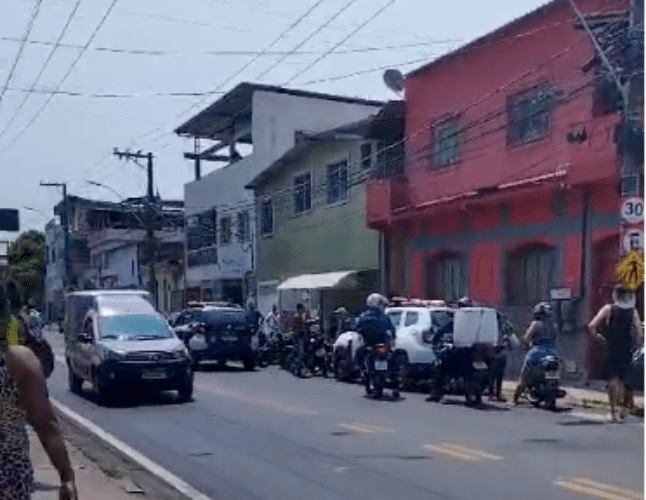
(118, 342)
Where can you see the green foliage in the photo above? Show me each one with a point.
(27, 263)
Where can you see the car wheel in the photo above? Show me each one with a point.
(103, 397)
(341, 365)
(185, 391)
(75, 382)
(249, 363)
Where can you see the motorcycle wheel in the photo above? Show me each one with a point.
(378, 392)
(550, 403)
(533, 398)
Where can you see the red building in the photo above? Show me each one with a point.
(511, 175)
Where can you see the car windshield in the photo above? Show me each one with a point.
(222, 316)
(395, 316)
(133, 327)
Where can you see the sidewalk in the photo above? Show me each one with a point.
(91, 482)
(579, 397)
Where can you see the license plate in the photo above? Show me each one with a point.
(381, 366)
(480, 365)
(551, 375)
(153, 374)
(229, 338)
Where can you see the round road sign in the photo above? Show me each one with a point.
(632, 210)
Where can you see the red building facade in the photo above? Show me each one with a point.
(511, 177)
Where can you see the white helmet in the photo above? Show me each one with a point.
(377, 300)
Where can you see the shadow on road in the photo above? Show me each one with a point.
(482, 406)
(133, 398)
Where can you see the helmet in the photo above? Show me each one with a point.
(465, 302)
(341, 311)
(377, 300)
(542, 310)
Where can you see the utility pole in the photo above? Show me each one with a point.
(66, 231)
(150, 217)
(631, 236)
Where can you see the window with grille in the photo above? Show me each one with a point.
(529, 275)
(225, 230)
(200, 230)
(449, 278)
(266, 217)
(528, 115)
(447, 142)
(337, 182)
(302, 193)
(243, 226)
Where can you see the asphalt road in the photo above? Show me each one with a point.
(268, 435)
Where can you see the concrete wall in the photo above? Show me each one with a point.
(326, 238)
(123, 263)
(275, 120)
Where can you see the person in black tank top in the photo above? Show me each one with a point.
(619, 327)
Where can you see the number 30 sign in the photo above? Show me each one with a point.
(632, 210)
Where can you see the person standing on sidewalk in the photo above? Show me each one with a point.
(23, 398)
(619, 327)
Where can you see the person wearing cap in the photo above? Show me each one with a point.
(619, 327)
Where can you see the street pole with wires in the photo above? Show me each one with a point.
(150, 217)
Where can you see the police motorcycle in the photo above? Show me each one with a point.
(464, 355)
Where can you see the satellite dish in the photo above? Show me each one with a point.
(394, 80)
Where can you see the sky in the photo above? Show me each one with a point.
(166, 47)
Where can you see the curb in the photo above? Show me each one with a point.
(157, 470)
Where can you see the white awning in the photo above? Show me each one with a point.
(339, 279)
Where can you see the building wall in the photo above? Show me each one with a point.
(329, 237)
(486, 250)
(120, 262)
(546, 49)
(275, 120)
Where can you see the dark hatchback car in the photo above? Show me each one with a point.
(216, 333)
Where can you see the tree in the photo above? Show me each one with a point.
(26, 261)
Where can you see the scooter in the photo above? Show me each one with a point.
(544, 383)
(382, 374)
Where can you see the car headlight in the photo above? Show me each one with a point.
(180, 352)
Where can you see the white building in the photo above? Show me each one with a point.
(220, 211)
(107, 249)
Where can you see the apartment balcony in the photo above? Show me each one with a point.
(100, 237)
(384, 196)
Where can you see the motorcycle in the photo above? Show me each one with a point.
(318, 357)
(544, 381)
(460, 370)
(382, 373)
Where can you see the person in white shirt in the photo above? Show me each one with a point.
(272, 321)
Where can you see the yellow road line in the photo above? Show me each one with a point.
(471, 451)
(599, 490)
(274, 405)
(449, 452)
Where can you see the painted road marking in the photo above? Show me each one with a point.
(461, 452)
(156, 469)
(366, 428)
(274, 405)
(599, 490)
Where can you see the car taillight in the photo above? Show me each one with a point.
(382, 350)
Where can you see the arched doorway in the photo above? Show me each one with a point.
(605, 253)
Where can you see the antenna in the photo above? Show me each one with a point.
(394, 80)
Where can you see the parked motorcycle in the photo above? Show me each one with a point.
(460, 370)
(318, 357)
(382, 374)
(544, 383)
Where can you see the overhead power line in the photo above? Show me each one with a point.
(341, 42)
(308, 38)
(233, 53)
(23, 42)
(65, 77)
(42, 69)
(241, 69)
